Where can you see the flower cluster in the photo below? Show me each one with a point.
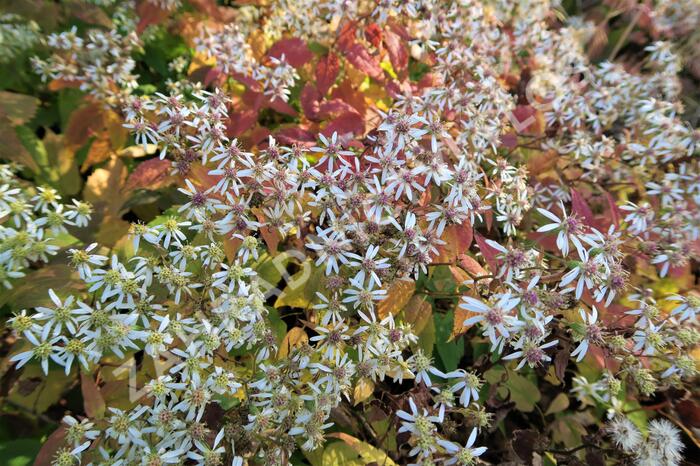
(234, 57)
(100, 63)
(424, 162)
(16, 36)
(33, 222)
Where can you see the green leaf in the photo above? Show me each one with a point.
(32, 291)
(523, 392)
(69, 99)
(19, 452)
(37, 392)
(426, 338)
(161, 48)
(34, 145)
(317, 48)
(276, 323)
(271, 269)
(558, 404)
(301, 289)
(314, 457)
(450, 352)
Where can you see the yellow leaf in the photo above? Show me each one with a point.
(367, 452)
(417, 313)
(111, 231)
(135, 152)
(18, 108)
(340, 454)
(363, 390)
(61, 159)
(386, 66)
(398, 295)
(103, 186)
(114, 124)
(293, 339)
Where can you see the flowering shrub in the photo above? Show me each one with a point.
(320, 233)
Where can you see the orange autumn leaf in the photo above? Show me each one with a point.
(457, 240)
(398, 295)
(461, 315)
(84, 122)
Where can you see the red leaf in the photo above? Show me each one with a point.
(373, 34)
(457, 239)
(601, 359)
(509, 140)
(240, 122)
(488, 216)
(149, 14)
(361, 59)
(471, 265)
(580, 207)
(258, 135)
(394, 90)
(615, 214)
(397, 51)
(212, 75)
(93, 401)
(346, 36)
(488, 252)
(309, 98)
(295, 51)
(689, 411)
(253, 99)
(429, 80)
(151, 174)
(249, 81)
(208, 7)
(327, 72)
(346, 92)
(83, 123)
(344, 124)
(295, 135)
(528, 120)
(270, 236)
(546, 240)
(334, 108)
(281, 106)
(51, 446)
